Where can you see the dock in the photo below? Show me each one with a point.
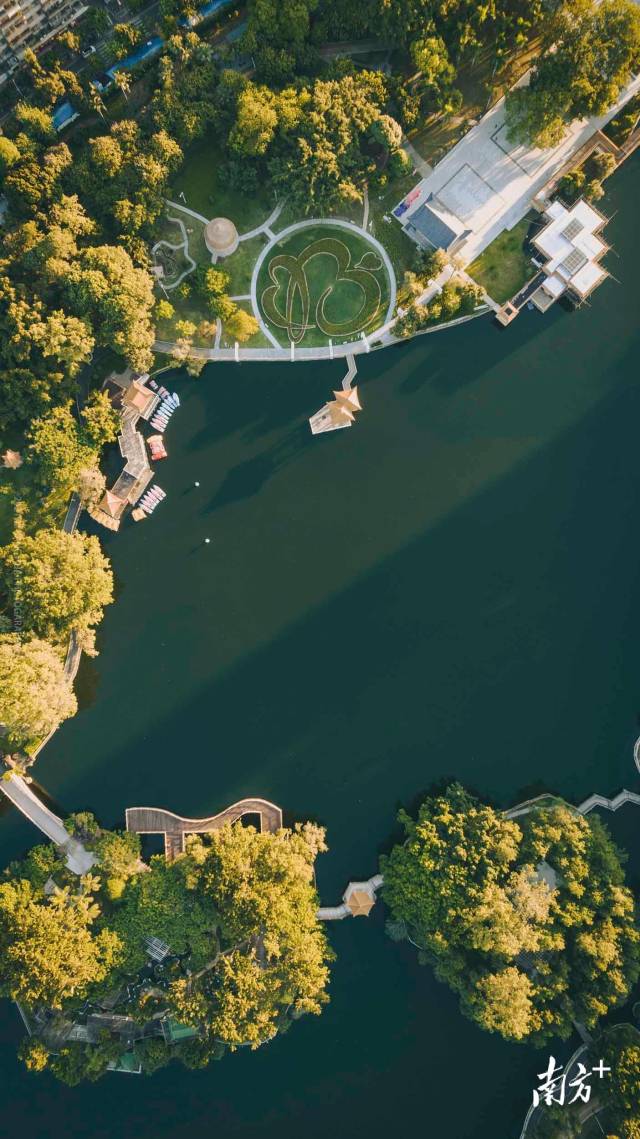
(155, 820)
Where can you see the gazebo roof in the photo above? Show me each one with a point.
(111, 504)
(220, 235)
(349, 398)
(359, 901)
(12, 460)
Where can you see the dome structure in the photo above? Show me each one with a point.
(221, 237)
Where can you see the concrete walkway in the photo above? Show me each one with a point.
(79, 859)
(422, 166)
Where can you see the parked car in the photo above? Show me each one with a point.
(90, 50)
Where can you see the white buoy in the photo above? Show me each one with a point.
(196, 484)
(207, 540)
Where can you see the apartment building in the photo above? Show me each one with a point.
(30, 23)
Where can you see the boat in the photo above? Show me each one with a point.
(175, 396)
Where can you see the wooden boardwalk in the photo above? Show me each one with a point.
(155, 820)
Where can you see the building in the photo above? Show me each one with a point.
(572, 249)
(29, 24)
(137, 401)
(221, 237)
(337, 413)
(433, 226)
(64, 115)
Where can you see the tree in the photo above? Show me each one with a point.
(105, 286)
(475, 893)
(35, 695)
(119, 858)
(125, 37)
(501, 1002)
(9, 154)
(256, 121)
(63, 582)
(101, 420)
(273, 961)
(596, 51)
(62, 453)
(387, 133)
(164, 310)
(49, 951)
(123, 82)
(438, 74)
(241, 325)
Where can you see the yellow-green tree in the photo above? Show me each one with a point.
(35, 696)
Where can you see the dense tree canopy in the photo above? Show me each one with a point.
(62, 581)
(35, 695)
(49, 951)
(527, 953)
(237, 910)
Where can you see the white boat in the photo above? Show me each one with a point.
(175, 396)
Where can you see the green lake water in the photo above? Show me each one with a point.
(447, 589)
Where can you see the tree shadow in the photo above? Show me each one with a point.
(249, 477)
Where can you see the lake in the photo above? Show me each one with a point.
(449, 588)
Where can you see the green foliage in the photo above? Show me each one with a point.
(620, 1050)
(63, 582)
(49, 952)
(241, 325)
(35, 696)
(101, 420)
(454, 300)
(468, 885)
(596, 51)
(60, 451)
(124, 38)
(33, 1054)
(164, 903)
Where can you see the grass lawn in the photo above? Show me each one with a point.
(200, 182)
(240, 265)
(400, 248)
(362, 302)
(504, 267)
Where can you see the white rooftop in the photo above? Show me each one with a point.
(488, 182)
(571, 247)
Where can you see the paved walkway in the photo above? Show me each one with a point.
(79, 859)
(422, 166)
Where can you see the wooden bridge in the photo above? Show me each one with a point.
(155, 820)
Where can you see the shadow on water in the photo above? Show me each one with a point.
(249, 477)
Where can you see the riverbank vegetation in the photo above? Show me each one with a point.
(242, 954)
(528, 920)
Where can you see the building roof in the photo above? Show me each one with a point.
(138, 396)
(435, 223)
(12, 460)
(572, 249)
(360, 903)
(349, 399)
(220, 235)
(111, 504)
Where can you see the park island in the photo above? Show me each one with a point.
(383, 674)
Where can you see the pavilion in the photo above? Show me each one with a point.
(221, 237)
(337, 413)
